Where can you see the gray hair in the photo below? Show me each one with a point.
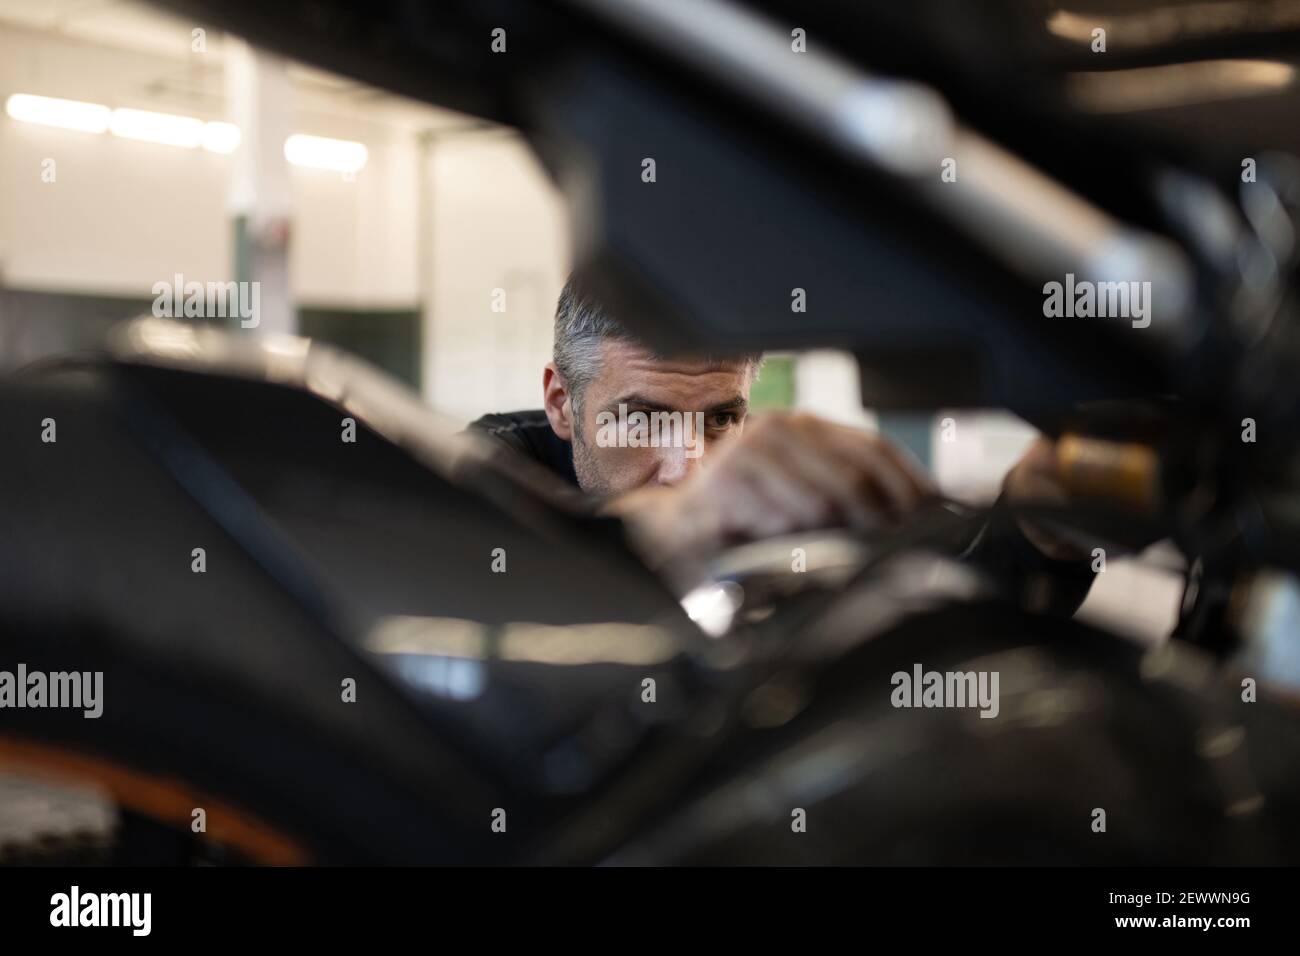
(582, 327)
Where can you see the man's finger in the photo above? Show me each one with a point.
(808, 461)
(900, 486)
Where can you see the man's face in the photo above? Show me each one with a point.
(632, 377)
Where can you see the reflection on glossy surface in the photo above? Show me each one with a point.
(1270, 621)
(1158, 26)
(451, 677)
(1179, 84)
(523, 642)
(713, 606)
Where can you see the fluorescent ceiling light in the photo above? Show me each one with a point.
(317, 152)
(220, 137)
(66, 114)
(165, 128)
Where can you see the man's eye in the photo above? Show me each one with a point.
(722, 420)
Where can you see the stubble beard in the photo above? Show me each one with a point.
(585, 464)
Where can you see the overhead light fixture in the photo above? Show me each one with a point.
(165, 128)
(318, 152)
(220, 137)
(170, 129)
(65, 114)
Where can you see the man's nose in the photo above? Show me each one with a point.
(675, 465)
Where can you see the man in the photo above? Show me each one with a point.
(712, 478)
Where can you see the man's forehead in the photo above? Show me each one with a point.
(623, 360)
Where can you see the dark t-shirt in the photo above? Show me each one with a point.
(530, 434)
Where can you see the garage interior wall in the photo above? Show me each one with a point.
(89, 219)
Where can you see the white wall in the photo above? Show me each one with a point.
(493, 221)
(122, 215)
(826, 382)
(119, 216)
(355, 243)
(970, 459)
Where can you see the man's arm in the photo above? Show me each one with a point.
(795, 472)
(787, 472)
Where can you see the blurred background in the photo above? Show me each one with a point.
(382, 225)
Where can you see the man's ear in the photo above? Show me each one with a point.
(558, 403)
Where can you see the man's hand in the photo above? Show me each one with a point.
(1036, 480)
(786, 472)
